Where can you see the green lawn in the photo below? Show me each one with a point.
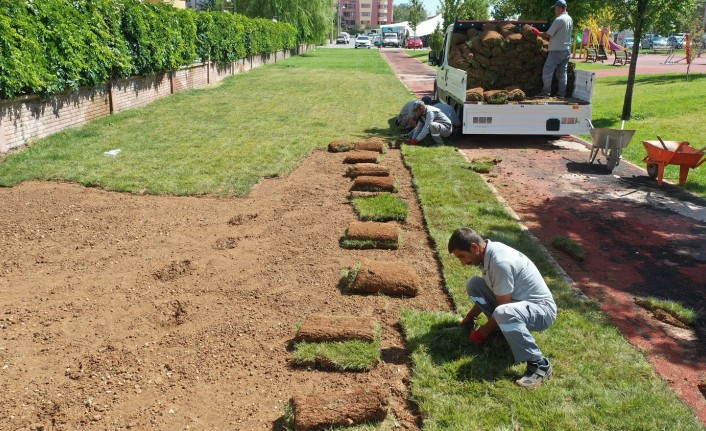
(262, 123)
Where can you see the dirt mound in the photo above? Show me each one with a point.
(226, 243)
(174, 270)
(239, 219)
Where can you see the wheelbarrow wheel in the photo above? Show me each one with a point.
(613, 158)
(652, 170)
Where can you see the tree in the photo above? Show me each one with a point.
(463, 9)
(401, 12)
(416, 14)
(312, 18)
(580, 11)
(639, 15)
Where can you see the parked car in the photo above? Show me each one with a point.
(414, 42)
(655, 42)
(362, 42)
(677, 41)
(629, 42)
(344, 38)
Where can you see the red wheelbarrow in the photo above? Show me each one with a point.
(662, 153)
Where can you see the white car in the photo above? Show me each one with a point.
(362, 42)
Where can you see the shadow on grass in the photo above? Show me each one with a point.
(446, 342)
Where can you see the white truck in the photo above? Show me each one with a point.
(533, 116)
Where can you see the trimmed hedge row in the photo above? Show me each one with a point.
(48, 46)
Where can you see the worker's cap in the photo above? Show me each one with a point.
(426, 100)
(417, 104)
(560, 3)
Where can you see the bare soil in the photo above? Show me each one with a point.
(140, 312)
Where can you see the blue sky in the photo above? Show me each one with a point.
(429, 5)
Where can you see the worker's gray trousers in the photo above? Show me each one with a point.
(436, 130)
(557, 64)
(515, 319)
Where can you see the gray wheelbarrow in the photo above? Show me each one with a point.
(610, 143)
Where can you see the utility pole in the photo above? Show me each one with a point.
(338, 15)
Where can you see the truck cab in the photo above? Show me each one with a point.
(531, 116)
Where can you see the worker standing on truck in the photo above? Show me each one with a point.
(559, 37)
(430, 121)
(513, 296)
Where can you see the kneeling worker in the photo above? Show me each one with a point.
(513, 296)
(430, 120)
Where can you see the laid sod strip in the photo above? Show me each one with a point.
(374, 184)
(340, 146)
(362, 157)
(600, 381)
(669, 311)
(219, 147)
(337, 328)
(367, 169)
(371, 234)
(327, 409)
(569, 246)
(373, 144)
(351, 355)
(383, 207)
(389, 278)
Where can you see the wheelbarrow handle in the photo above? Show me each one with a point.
(701, 150)
(661, 141)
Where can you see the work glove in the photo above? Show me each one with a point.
(476, 338)
(413, 142)
(468, 323)
(535, 31)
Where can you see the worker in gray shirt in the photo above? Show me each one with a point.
(430, 121)
(513, 296)
(559, 36)
(447, 109)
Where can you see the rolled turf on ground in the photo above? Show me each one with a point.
(328, 409)
(389, 278)
(374, 184)
(371, 234)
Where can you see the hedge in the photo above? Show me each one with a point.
(48, 46)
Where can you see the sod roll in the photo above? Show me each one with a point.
(320, 329)
(374, 184)
(372, 144)
(360, 156)
(326, 409)
(390, 278)
(368, 169)
(373, 231)
(340, 146)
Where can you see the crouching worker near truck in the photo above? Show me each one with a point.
(513, 296)
(430, 120)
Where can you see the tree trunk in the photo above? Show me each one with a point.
(632, 71)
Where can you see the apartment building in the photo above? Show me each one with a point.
(358, 14)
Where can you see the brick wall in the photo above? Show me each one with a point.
(29, 118)
(139, 91)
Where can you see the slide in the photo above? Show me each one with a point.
(614, 46)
